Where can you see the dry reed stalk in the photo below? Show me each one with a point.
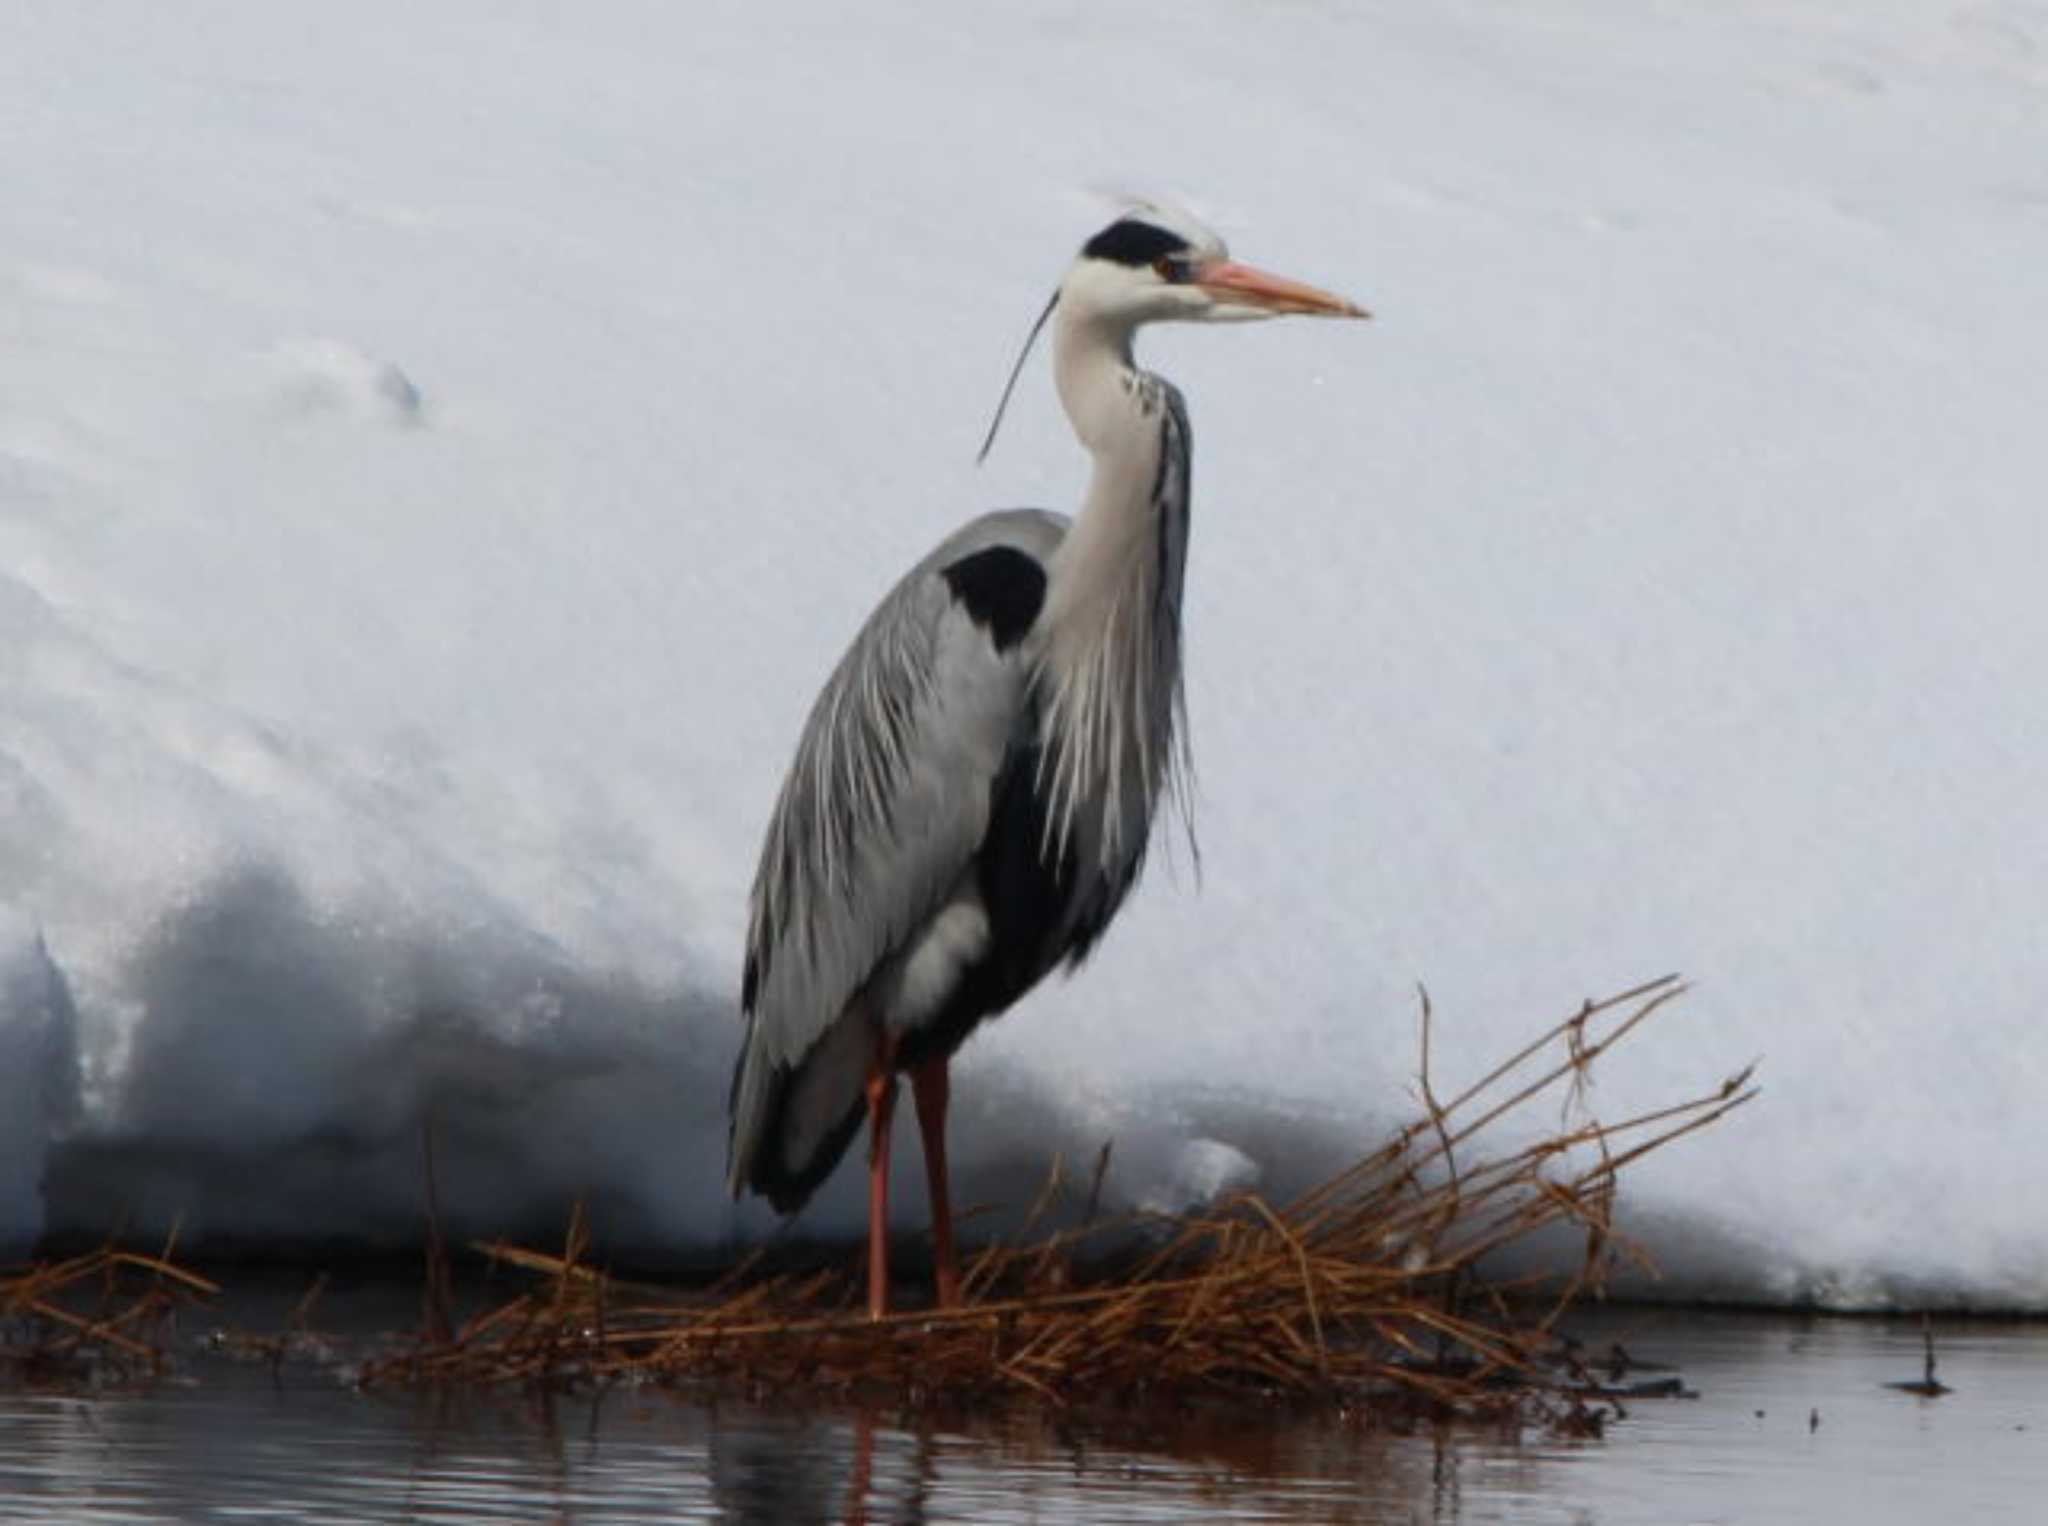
(95, 1318)
(1363, 1287)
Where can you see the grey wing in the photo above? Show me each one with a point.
(883, 810)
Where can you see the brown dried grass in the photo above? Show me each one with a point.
(98, 1318)
(1365, 1287)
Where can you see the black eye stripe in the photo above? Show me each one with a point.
(1134, 243)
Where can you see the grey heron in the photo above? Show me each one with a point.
(972, 795)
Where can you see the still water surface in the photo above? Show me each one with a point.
(1792, 1424)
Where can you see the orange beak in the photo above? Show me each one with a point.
(1247, 286)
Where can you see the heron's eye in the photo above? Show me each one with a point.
(1167, 268)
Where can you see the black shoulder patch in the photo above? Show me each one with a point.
(1133, 242)
(1001, 589)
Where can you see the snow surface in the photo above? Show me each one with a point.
(444, 446)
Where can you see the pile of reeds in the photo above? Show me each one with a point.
(102, 1317)
(1366, 1287)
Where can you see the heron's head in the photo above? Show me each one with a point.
(1155, 264)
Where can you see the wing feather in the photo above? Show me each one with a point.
(881, 814)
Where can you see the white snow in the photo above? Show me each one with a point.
(444, 446)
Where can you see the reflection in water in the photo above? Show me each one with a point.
(233, 1444)
(770, 1469)
(1028, 1466)
(246, 1448)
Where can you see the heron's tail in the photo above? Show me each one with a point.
(791, 1124)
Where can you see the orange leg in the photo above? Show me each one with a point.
(881, 1091)
(928, 1083)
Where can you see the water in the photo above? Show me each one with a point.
(1792, 1423)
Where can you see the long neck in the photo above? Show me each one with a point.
(1117, 414)
(1110, 661)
